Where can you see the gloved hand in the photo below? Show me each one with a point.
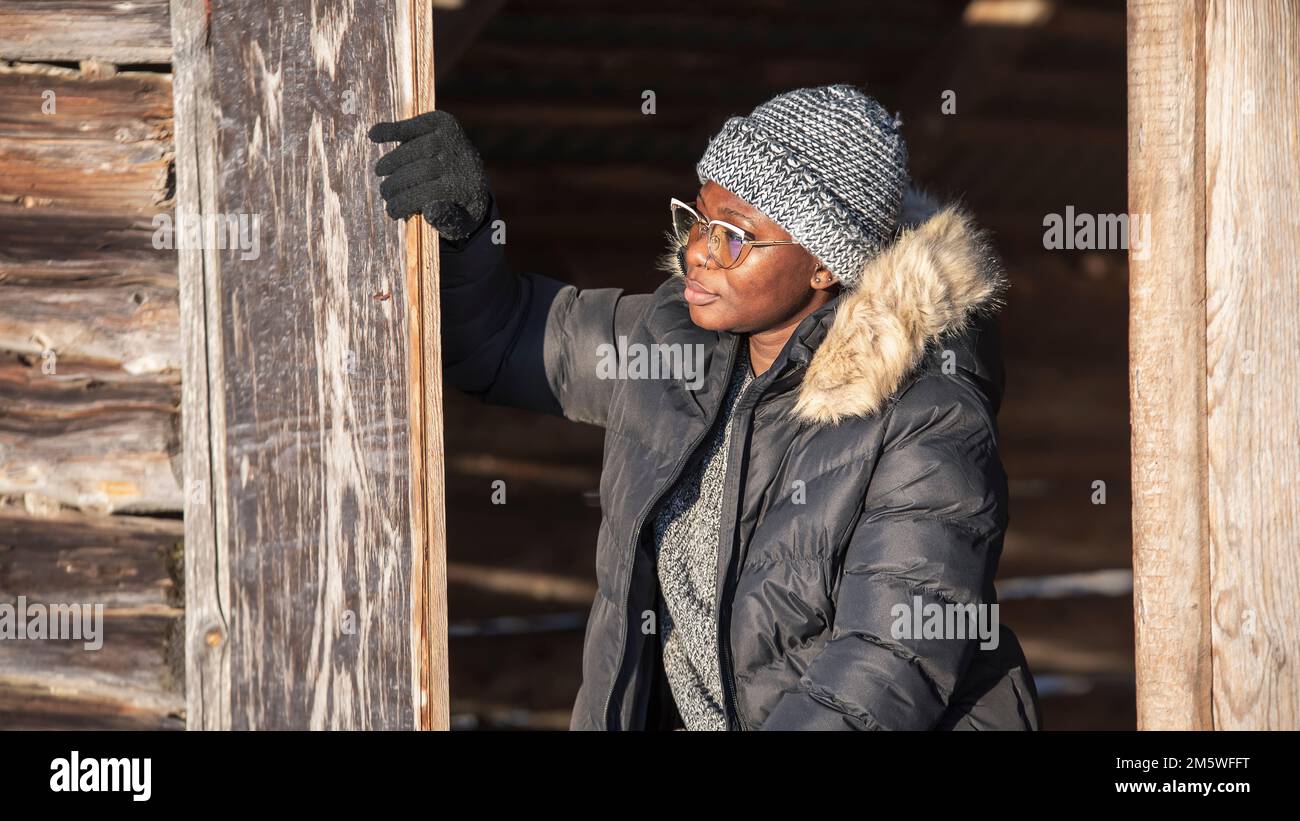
(434, 172)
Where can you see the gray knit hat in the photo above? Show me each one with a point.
(827, 164)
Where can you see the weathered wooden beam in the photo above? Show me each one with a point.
(106, 462)
(134, 32)
(83, 143)
(38, 706)
(131, 566)
(1252, 290)
(310, 404)
(87, 436)
(75, 248)
(1167, 361)
(133, 327)
(430, 687)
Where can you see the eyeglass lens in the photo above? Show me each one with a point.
(724, 244)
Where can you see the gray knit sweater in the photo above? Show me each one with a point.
(686, 531)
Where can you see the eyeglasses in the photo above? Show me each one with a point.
(727, 243)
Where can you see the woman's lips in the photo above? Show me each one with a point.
(696, 295)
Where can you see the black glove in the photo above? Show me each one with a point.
(434, 172)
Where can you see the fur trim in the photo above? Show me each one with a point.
(936, 276)
(931, 281)
(673, 260)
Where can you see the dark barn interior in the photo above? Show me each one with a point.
(1016, 107)
(551, 92)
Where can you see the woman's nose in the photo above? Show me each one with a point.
(697, 253)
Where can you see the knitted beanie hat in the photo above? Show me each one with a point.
(827, 164)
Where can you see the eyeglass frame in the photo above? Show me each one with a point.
(746, 243)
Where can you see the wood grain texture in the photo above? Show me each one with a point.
(89, 437)
(296, 370)
(1167, 366)
(84, 289)
(131, 566)
(78, 248)
(118, 461)
(134, 32)
(133, 327)
(106, 145)
(207, 571)
(430, 685)
(1252, 263)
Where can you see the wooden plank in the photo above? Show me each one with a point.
(1252, 264)
(295, 414)
(43, 101)
(80, 390)
(1167, 365)
(105, 145)
(207, 573)
(135, 32)
(430, 685)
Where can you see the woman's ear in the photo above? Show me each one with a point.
(822, 279)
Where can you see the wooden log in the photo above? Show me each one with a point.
(89, 437)
(1252, 289)
(1167, 365)
(135, 32)
(304, 561)
(78, 390)
(40, 707)
(129, 565)
(118, 461)
(84, 143)
(58, 246)
(130, 669)
(134, 327)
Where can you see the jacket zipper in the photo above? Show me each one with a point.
(734, 471)
(746, 410)
(640, 524)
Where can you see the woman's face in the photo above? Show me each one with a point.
(772, 284)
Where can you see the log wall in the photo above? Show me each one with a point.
(90, 490)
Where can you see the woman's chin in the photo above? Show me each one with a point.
(707, 317)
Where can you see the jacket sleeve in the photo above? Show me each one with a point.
(930, 532)
(526, 340)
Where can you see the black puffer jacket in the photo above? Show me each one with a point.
(866, 475)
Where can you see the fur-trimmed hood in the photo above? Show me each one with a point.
(937, 276)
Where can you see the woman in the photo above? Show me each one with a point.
(782, 526)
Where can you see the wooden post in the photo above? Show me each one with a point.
(1214, 381)
(315, 592)
(429, 683)
(1167, 365)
